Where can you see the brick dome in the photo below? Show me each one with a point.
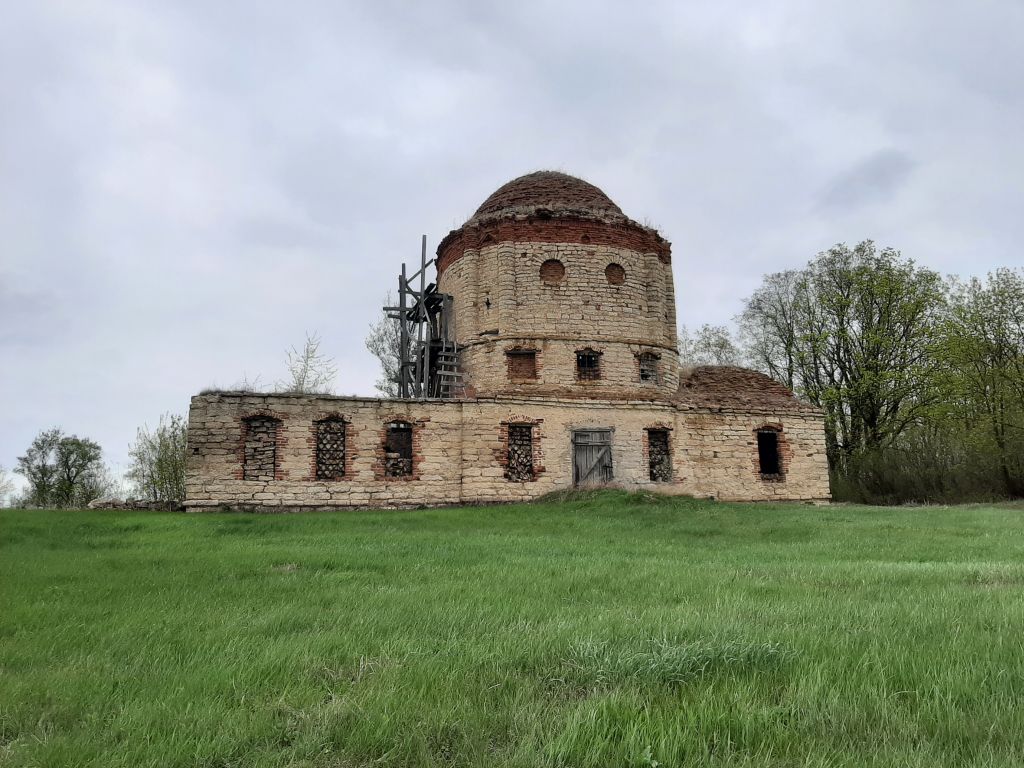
(548, 194)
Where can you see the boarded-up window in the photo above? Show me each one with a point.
(659, 456)
(522, 364)
(648, 367)
(552, 272)
(520, 452)
(259, 448)
(330, 449)
(398, 450)
(768, 452)
(588, 365)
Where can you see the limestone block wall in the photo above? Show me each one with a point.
(487, 368)
(461, 450)
(719, 451)
(216, 433)
(606, 294)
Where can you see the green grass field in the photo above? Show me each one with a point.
(611, 630)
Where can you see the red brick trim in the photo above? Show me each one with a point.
(350, 446)
(501, 453)
(379, 465)
(510, 354)
(557, 230)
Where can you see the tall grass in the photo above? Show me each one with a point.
(604, 630)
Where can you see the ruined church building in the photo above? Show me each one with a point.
(546, 359)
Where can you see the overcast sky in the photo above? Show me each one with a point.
(186, 188)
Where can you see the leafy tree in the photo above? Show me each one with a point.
(769, 325)
(385, 343)
(309, 370)
(6, 486)
(981, 353)
(853, 333)
(62, 471)
(158, 461)
(712, 345)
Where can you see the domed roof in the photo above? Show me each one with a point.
(550, 194)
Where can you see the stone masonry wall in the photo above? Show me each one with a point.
(461, 451)
(500, 295)
(486, 368)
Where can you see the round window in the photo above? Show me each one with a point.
(552, 272)
(615, 273)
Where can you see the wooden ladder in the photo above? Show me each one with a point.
(449, 378)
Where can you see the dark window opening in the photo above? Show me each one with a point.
(330, 449)
(398, 450)
(615, 274)
(649, 367)
(522, 364)
(659, 456)
(768, 452)
(259, 448)
(520, 452)
(588, 365)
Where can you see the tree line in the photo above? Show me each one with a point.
(920, 377)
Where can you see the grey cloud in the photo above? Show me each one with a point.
(186, 188)
(873, 180)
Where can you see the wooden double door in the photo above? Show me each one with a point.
(592, 457)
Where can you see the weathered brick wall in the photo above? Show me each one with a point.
(719, 451)
(461, 451)
(502, 301)
(214, 463)
(486, 367)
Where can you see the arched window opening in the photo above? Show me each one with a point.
(519, 465)
(552, 272)
(659, 455)
(768, 456)
(398, 450)
(588, 365)
(330, 449)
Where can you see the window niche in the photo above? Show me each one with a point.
(552, 272)
(522, 364)
(769, 457)
(330, 448)
(259, 448)
(398, 456)
(648, 365)
(615, 274)
(588, 365)
(659, 455)
(519, 464)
